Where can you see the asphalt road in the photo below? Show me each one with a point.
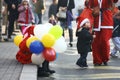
(66, 68)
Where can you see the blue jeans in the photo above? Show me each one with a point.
(36, 18)
(40, 18)
(64, 25)
(116, 42)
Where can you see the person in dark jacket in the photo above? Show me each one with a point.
(84, 41)
(53, 9)
(39, 9)
(12, 8)
(116, 34)
(66, 22)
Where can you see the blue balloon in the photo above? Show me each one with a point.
(36, 47)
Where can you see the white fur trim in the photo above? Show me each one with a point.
(103, 27)
(109, 27)
(84, 21)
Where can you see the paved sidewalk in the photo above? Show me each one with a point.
(10, 68)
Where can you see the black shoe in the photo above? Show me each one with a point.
(84, 66)
(51, 71)
(8, 39)
(105, 63)
(97, 64)
(71, 45)
(77, 63)
(42, 73)
(114, 55)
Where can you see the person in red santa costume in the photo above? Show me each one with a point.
(103, 25)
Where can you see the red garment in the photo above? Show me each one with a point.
(106, 19)
(23, 58)
(26, 19)
(101, 46)
(27, 16)
(103, 25)
(24, 54)
(86, 13)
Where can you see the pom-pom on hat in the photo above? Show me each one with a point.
(83, 21)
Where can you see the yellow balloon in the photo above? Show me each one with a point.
(56, 31)
(18, 39)
(48, 40)
(31, 39)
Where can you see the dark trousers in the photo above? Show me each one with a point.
(45, 65)
(11, 20)
(40, 18)
(83, 59)
(70, 30)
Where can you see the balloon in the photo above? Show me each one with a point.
(48, 40)
(18, 39)
(36, 47)
(41, 30)
(37, 59)
(49, 54)
(56, 31)
(48, 25)
(60, 45)
(30, 40)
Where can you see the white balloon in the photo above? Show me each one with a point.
(48, 25)
(42, 29)
(60, 45)
(37, 59)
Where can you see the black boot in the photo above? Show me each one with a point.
(42, 73)
(105, 63)
(71, 37)
(46, 67)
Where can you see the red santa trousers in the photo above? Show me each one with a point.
(101, 46)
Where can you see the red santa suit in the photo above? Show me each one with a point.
(103, 25)
(86, 13)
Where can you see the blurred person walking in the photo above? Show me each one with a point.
(12, 8)
(52, 12)
(39, 9)
(32, 5)
(26, 16)
(67, 5)
(53, 8)
(116, 33)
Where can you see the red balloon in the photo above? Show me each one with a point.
(49, 54)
